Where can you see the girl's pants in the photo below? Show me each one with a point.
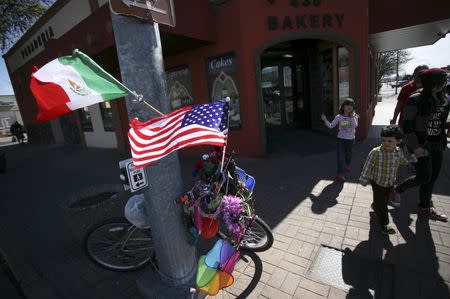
(380, 201)
(344, 153)
(427, 171)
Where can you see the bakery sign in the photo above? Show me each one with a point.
(158, 11)
(304, 21)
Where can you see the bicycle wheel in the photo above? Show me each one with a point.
(257, 238)
(119, 246)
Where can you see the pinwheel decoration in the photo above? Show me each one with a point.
(214, 270)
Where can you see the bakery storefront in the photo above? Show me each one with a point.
(282, 63)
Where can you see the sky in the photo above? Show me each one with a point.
(5, 83)
(436, 55)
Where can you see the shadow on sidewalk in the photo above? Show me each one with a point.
(285, 182)
(363, 268)
(377, 269)
(327, 198)
(418, 265)
(282, 142)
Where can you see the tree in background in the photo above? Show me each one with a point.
(389, 62)
(16, 17)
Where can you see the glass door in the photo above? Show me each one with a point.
(271, 92)
(277, 89)
(288, 96)
(302, 118)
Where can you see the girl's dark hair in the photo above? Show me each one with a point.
(430, 79)
(347, 102)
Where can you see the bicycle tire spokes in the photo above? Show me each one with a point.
(253, 237)
(120, 246)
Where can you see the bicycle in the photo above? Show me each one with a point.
(118, 245)
(255, 235)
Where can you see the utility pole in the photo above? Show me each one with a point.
(396, 77)
(142, 69)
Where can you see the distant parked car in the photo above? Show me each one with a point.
(400, 83)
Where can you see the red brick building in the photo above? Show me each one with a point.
(282, 62)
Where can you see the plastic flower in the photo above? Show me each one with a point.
(231, 210)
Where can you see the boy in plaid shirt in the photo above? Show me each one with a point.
(380, 170)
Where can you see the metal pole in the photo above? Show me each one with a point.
(141, 65)
(396, 78)
(228, 100)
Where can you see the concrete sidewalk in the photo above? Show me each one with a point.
(295, 194)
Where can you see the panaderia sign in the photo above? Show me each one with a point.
(302, 21)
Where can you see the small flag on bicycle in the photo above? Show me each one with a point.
(205, 124)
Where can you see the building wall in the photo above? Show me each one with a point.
(242, 27)
(86, 25)
(352, 32)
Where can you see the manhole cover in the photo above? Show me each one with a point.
(91, 200)
(327, 268)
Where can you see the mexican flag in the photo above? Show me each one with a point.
(71, 82)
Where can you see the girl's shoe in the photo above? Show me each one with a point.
(340, 178)
(348, 168)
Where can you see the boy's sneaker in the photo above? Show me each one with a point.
(387, 230)
(348, 168)
(432, 214)
(394, 199)
(340, 178)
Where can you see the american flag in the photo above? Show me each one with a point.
(185, 127)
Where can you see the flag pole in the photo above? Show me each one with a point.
(228, 100)
(140, 98)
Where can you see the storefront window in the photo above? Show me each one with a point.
(222, 82)
(343, 74)
(85, 118)
(179, 87)
(106, 111)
